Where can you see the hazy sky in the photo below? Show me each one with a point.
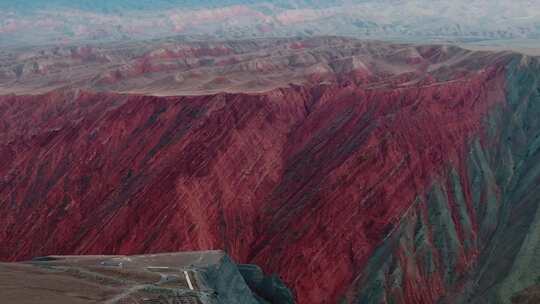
(67, 21)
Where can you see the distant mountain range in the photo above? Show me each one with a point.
(62, 21)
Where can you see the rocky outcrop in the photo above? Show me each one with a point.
(269, 289)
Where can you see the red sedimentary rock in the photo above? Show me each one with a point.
(305, 181)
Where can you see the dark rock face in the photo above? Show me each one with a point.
(400, 192)
(270, 289)
(473, 236)
(530, 295)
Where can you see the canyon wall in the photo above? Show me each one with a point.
(399, 192)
